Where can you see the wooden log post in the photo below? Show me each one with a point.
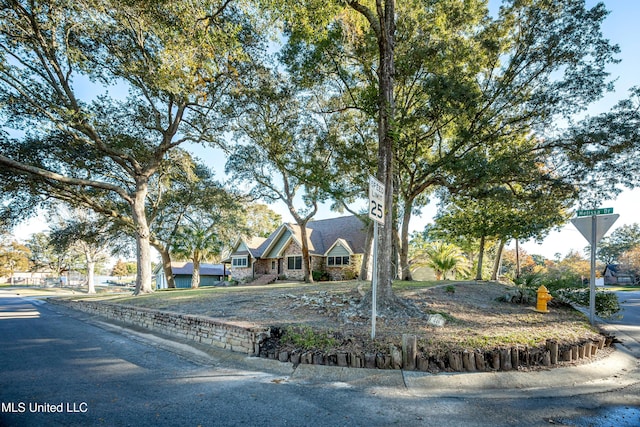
(317, 359)
(469, 361)
(587, 349)
(341, 359)
(515, 357)
(409, 352)
(455, 361)
(574, 352)
(396, 357)
(370, 360)
(423, 364)
(360, 360)
(552, 347)
(331, 359)
(495, 360)
(505, 359)
(480, 364)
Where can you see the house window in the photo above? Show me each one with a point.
(273, 265)
(332, 261)
(294, 263)
(240, 262)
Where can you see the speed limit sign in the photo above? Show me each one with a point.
(376, 200)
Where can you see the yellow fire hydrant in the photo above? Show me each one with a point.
(543, 297)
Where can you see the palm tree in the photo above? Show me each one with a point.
(197, 244)
(443, 258)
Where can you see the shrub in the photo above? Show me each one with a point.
(607, 304)
(306, 338)
(320, 276)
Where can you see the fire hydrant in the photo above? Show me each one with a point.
(543, 297)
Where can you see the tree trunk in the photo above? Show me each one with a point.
(405, 272)
(195, 276)
(517, 259)
(368, 249)
(306, 259)
(480, 259)
(395, 253)
(496, 263)
(91, 268)
(386, 107)
(143, 246)
(166, 263)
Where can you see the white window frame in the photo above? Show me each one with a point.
(236, 262)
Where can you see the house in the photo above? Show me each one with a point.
(336, 247)
(210, 274)
(614, 274)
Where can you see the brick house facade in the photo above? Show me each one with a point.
(336, 247)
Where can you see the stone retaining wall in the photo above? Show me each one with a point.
(235, 336)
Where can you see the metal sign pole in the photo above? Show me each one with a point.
(374, 281)
(593, 229)
(376, 213)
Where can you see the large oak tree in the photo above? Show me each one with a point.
(69, 138)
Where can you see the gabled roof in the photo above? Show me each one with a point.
(349, 229)
(342, 243)
(275, 238)
(253, 245)
(322, 235)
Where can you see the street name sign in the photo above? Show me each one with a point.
(590, 212)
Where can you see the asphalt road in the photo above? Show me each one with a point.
(630, 320)
(626, 326)
(58, 367)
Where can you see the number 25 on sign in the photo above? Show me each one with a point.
(376, 200)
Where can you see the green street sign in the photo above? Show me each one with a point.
(591, 212)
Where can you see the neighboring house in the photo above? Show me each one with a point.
(336, 247)
(613, 274)
(210, 274)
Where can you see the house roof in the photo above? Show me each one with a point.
(186, 268)
(322, 235)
